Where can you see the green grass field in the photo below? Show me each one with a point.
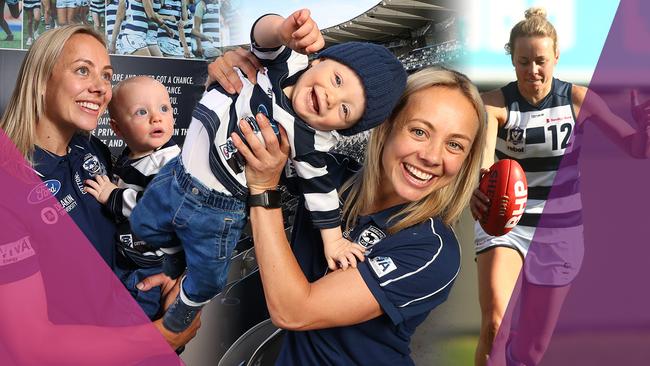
(11, 44)
(458, 351)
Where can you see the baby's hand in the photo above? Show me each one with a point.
(100, 188)
(343, 253)
(300, 33)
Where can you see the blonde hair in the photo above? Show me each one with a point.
(446, 203)
(27, 103)
(535, 25)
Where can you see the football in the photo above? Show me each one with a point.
(505, 184)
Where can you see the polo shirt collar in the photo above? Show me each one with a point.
(381, 218)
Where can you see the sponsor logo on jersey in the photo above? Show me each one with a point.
(15, 252)
(49, 215)
(79, 182)
(68, 203)
(516, 149)
(371, 236)
(382, 265)
(93, 166)
(557, 119)
(42, 191)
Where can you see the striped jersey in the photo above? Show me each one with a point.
(133, 176)
(173, 8)
(136, 21)
(111, 13)
(97, 6)
(210, 156)
(210, 22)
(545, 140)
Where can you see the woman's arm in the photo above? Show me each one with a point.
(588, 104)
(119, 16)
(338, 299)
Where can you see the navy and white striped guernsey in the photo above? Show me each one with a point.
(546, 141)
(97, 6)
(210, 24)
(111, 14)
(208, 146)
(136, 21)
(133, 176)
(171, 8)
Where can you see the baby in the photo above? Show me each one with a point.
(349, 88)
(141, 114)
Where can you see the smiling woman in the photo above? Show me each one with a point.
(420, 169)
(63, 87)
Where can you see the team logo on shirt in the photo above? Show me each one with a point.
(93, 166)
(42, 191)
(371, 236)
(382, 265)
(516, 136)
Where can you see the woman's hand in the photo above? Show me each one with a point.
(479, 203)
(100, 188)
(222, 69)
(169, 289)
(264, 161)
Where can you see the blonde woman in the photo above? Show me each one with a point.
(537, 120)
(420, 169)
(63, 87)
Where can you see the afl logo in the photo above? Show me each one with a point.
(43, 191)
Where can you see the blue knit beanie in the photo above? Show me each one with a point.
(382, 75)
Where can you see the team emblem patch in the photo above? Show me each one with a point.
(228, 149)
(127, 240)
(371, 236)
(516, 136)
(382, 265)
(93, 166)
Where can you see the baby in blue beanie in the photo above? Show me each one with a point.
(349, 88)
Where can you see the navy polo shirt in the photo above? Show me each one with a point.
(409, 273)
(65, 175)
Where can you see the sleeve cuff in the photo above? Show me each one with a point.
(379, 294)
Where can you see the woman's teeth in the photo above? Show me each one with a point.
(417, 173)
(89, 105)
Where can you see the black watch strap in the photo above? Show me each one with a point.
(267, 199)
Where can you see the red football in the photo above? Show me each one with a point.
(505, 184)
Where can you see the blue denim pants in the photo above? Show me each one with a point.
(149, 301)
(177, 208)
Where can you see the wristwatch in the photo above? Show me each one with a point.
(270, 198)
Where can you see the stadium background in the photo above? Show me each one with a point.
(468, 36)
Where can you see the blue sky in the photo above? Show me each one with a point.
(325, 13)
